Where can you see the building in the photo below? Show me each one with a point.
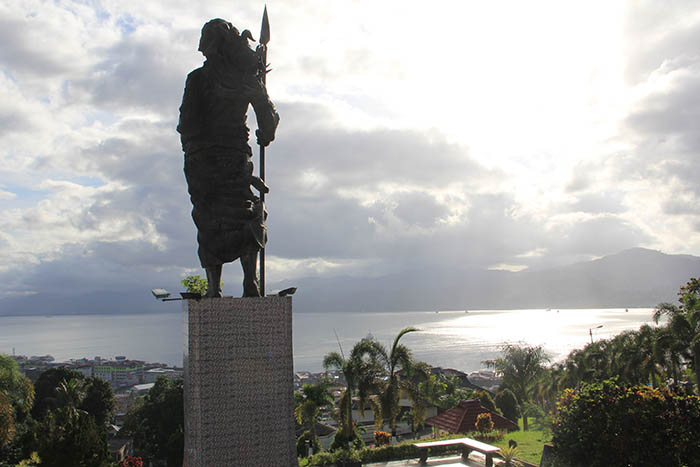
(462, 418)
(150, 376)
(121, 374)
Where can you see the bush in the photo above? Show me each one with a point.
(303, 444)
(483, 423)
(609, 424)
(382, 438)
(485, 399)
(507, 403)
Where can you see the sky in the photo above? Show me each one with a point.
(413, 136)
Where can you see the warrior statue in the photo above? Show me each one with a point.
(230, 219)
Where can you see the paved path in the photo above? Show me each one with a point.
(475, 460)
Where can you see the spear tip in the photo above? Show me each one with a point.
(265, 28)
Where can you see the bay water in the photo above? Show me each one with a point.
(453, 339)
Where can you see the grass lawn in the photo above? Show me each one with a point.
(529, 442)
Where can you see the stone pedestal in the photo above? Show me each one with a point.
(239, 383)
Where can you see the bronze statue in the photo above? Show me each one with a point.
(230, 219)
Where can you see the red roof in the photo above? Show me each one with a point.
(461, 419)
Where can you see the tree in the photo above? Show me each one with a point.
(360, 371)
(520, 368)
(16, 398)
(156, 423)
(395, 362)
(45, 389)
(308, 403)
(68, 435)
(99, 400)
(444, 391)
(507, 403)
(684, 325)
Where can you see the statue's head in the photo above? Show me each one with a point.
(215, 33)
(220, 39)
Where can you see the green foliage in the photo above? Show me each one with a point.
(68, 438)
(608, 423)
(404, 450)
(99, 400)
(303, 444)
(16, 398)
(507, 403)
(485, 399)
(196, 284)
(508, 455)
(483, 423)
(520, 368)
(344, 439)
(361, 370)
(444, 392)
(45, 389)
(308, 404)
(32, 461)
(156, 423)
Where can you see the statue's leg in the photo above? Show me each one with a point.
(249, 262)
(214, 281)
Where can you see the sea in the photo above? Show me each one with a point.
(459, 339)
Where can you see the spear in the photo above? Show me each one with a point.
(262, 48)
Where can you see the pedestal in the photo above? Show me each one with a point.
(239, 400)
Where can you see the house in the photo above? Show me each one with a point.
(462, 418)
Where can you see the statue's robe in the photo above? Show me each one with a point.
(218, 160)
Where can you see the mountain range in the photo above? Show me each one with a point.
(633, 278)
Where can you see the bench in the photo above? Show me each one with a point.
(467, 445)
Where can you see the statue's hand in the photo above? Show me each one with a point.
(264, 138)
(259, 184)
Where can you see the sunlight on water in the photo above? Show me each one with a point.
(459, 339)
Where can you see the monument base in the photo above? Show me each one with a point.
(239, 403)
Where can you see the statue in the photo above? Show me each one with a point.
(230, 219)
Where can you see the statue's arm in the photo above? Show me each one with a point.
(190, 123)
(265, 112)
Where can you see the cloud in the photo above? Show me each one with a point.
(384, 162)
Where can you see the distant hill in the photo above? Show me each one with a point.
(636, 277)
(633, 278)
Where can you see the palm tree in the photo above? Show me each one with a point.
(520, 368)
(360, 371)
(309, 402)
(69, 397)
(683, 328)
(683, 333)
(400, 370)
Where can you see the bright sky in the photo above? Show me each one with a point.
(446, 134)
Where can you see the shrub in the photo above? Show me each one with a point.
(483, 424)
(303, 444)
(485, 399)
(382, 438)
(507, 403)
(609, 424)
